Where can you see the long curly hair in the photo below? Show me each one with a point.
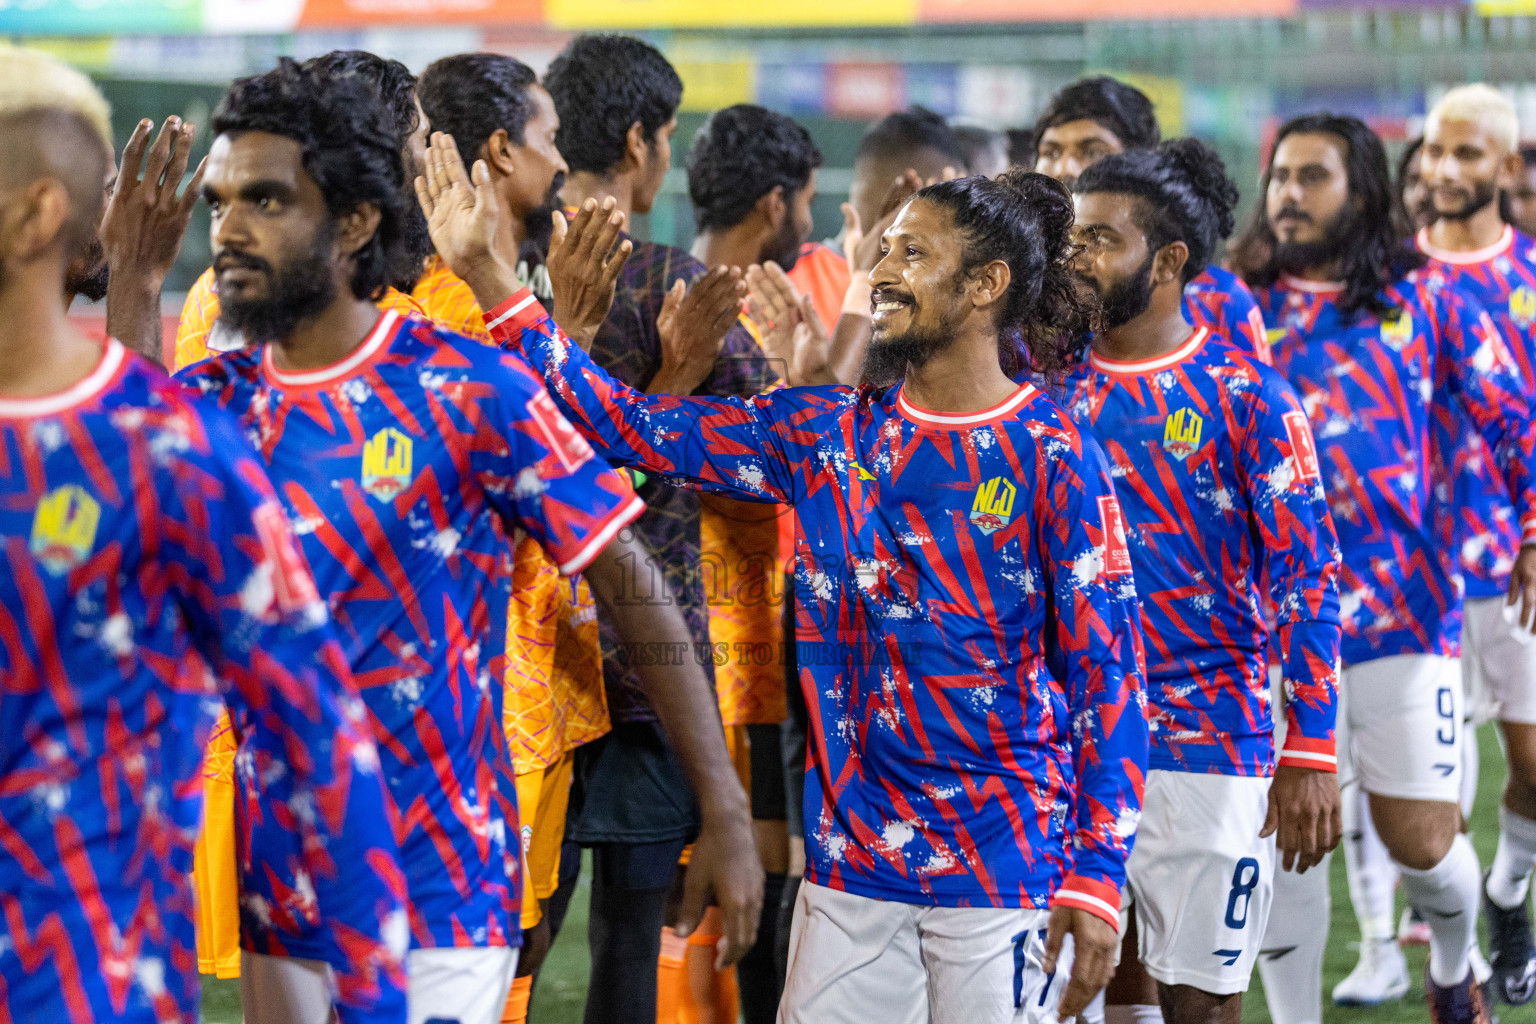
(1376, 256)
(1025, 220)
(350, 147)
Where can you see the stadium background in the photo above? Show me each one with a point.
(1228, 71)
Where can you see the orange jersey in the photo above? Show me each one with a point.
(201, 311)
(448, 302)
(822, 273)
(745, 547)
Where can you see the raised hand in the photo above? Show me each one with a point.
(865, 252)
(463, 218)
(693, 326)
(775, 308)
(143, 227)
(584, 266)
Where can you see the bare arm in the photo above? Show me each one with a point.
(725, 860)
(142, 231)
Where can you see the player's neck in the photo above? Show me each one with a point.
(1468, 234)
(1324, 273)
(41, 353)
(583, 185)
(511, 231)
(965, 377)
(327, 337)
(1159, 329)
(730, 248)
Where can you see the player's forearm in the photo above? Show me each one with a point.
(680, 694)
(133, 313)
(851, 333)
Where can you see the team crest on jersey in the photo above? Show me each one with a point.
(1397, 329)
(1117, 551)
(1181, 434)
(993, 508)
(1522, 306)
(387, 464)
(64, 529)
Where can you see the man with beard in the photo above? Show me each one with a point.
(1098, 117)
(200, 333)
(959, 551)
(675, 327)
(752, 180)
(1218, 480)
(146, 575)
(1384, 356)
(1469, 157)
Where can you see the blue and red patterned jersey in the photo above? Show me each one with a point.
(404, 469)
(1218, 299)
(1218, 480)
(147, 575)
(1383, 395)
(967, 632)
(1501, 279)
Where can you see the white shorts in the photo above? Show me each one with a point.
(467, 985)
(856, 960)
(1201, 880)
(1498, 667)
(1400, 727)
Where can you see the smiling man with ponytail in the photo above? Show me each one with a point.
(967, 630)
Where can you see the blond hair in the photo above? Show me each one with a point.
(1483, 105)
(31, 81)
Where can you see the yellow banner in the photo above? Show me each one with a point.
(1167, 96)
(88, 53)
(1493, 8)
(639, 14)
(711, 84)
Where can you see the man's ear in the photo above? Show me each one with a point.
(33, 219)
(771, 208)
(357, 227)
(1168, 264)
(990, 284)
(1511, 170)
(637, 148)
(497, 154)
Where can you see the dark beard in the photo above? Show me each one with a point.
(303, 288)
(84, 282)
(1127, 298)
(887, 362)
(539, 225)
(418, 243)
(785, 247)
(1483, 193)
(1299, 257)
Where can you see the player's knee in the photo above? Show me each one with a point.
(1422, 844)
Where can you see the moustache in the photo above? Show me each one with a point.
(1291, 213)
(887, 295)
(232, 260)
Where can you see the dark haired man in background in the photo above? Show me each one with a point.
(674, 328)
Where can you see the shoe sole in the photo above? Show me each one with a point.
(1391, 997)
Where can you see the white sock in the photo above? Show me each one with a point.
(1368, 866)
(1446, 897)
(1291, 957)
(1138, 1014)
(1094, 1013)
(1510, 877)
(1471, 765)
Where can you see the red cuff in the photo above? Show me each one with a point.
(1301, 752)
(520, 311)
(598, 539)
(1528, 532)
(1100, 899)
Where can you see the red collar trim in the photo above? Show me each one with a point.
(1314, 287)
(961, 420)
(1504, 244)
(346, 367)
(113, 358)
(1195, 342)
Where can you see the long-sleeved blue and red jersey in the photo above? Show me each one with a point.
(966, 623)
(147, 576)
(404, 468)
(1218, 479)
(1501, 279)
(1384, 395)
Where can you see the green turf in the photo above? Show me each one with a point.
(563, 982)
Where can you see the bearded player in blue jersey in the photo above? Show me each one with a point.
(1218, 478)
